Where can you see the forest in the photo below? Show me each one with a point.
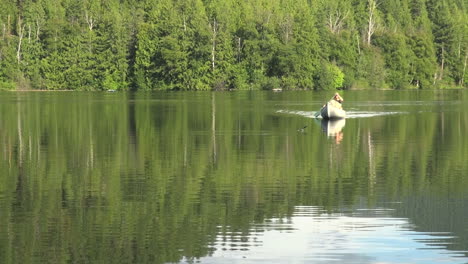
(232, 44)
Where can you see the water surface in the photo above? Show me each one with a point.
(242, 177)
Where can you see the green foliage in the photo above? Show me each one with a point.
(337, 76)
(371, 70)
(397, 59)
(423, 65)
(8, 68)
(206, 44)
(329, 77)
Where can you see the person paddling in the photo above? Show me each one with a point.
(337, 100)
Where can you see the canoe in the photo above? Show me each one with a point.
(331, 112)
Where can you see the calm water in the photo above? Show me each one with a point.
(233, 178)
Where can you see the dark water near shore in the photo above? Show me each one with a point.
(233, 178)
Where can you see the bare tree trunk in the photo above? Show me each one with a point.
(287, 27)
(459, 49)
(29, 33)
(238, 49)
(20, 36)
(462, 81)
(358, 45)
(8, 25)
(214, 28)
(441, 75)
(90, 21)
(371, 21)
(335, 21)
(38, 26)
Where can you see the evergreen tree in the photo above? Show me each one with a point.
(208, 44)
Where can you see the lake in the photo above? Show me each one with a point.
(233, 177)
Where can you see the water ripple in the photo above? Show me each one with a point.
(315, 236)
(349, 114)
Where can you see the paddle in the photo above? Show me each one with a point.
(316, 115)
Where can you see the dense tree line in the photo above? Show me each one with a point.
(232, 44)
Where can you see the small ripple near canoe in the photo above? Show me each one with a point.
(331, 112)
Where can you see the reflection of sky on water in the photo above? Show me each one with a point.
(312, 236)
